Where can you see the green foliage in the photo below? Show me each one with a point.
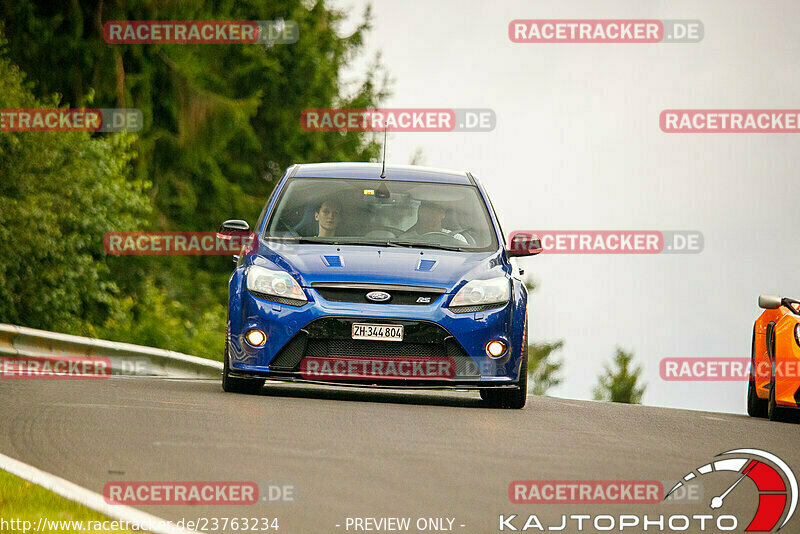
(621, 384)
(23, 501)
(59, 193)
(544, 372)
(530, 285)
(221, 122)
(152, 319)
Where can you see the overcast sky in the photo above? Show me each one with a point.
(578, 146)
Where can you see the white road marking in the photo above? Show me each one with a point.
(88, 498)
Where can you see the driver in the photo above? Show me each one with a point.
(328, 216)
(430, 217)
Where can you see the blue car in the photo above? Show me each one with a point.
(394, 276)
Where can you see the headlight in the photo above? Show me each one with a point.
(269, 283)
(797, 333)
(480, 292)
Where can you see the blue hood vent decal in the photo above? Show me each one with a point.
(332, 261)
(426, 265)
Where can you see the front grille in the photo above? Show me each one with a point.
(332, 337)
(408, 295)
(290, 355)
(359, 348)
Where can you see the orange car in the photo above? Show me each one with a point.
(775, 360)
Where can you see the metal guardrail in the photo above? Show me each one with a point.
(125, 358)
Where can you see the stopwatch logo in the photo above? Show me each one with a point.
(776, 484)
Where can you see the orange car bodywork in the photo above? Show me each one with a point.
(787, 356)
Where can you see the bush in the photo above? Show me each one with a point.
(59, 194)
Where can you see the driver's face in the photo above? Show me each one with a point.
(328, 217)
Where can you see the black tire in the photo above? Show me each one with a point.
(756, 407)
(249, 386)
(513, 398)
(774, 412)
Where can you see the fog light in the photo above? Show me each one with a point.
(495, 348)
(256, 337)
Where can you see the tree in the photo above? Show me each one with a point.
(622, 383)
(544, 371)
(58, 193)
(221, 124)
(221, 121)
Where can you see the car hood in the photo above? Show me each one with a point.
(310, 263)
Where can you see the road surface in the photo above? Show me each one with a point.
(352, 453)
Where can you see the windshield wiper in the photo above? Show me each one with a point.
(315, 240)
(429, 245)
(373, 243)
(319, 241)
(401, 244)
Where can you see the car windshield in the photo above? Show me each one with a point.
(382, 212)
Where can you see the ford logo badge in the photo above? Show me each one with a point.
(378, 296)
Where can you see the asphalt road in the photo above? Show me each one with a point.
(363, 453)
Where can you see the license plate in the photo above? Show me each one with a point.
(378, 332)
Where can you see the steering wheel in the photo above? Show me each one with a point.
(442, 234)
(382, 232)
(464, 232)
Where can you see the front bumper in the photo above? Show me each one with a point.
(322, 329)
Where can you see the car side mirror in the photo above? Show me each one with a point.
(232, 225)
(769, 302)
(524, 244)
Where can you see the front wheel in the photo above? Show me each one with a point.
(230, 384)
(755, 407)
(514, 398)
(774, 412)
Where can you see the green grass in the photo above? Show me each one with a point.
(23, 501)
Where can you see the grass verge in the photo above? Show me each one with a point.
(22, 504)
